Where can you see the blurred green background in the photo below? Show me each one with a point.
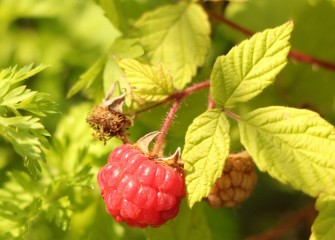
(71, 35)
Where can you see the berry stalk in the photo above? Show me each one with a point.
(180, 95)
(166, 125)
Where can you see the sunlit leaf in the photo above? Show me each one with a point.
(25, 133)
(89, 77)
(148, 83)
(178, 36)
(324, 225)
(205, 151)
(121, 48)
(294, 146)
(250, 67)
(113, 12)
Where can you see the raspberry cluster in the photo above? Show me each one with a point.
(139, 191)
(236, 183)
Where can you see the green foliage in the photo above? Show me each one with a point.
(189, 224)
(149, 84)
(205, 151)
(122, 48)
(107, 68)
(298, 80)
(65, 179)
(324, 227)
(294, 146)
(19, 204)
(89, 78)
(173, 35)
(25, 133)
(152, 49)
(250, 67)
(113, 12)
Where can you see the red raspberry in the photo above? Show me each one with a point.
(139, 191)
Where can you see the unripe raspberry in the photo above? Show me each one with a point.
(236, 183)
(138, 190)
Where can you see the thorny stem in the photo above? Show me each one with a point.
(167, 122)
(179, 95)
(192, 89)
(307, 214)
(293, 54)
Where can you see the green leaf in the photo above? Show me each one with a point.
(294, 146)
(250, 67)
(32, 101)
(21, 74)
(189, 224)
(121, 48)
(178, 36)
(38, 104)
(112, 12)
(60, 212)
(324, 225)
(148, 83)
(89, 77)
(19, 205)
(28, 138)
(205, 151)
(10, 76)
(126, 48)
(25, 133)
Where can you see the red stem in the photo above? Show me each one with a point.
(172, 112)
(211, 104)
(180, 95)
(166, 125)
(192, 89)
(314, 61)
(293, 54)
(229, 23)
(306, 214)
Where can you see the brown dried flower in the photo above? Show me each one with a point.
(108, 123)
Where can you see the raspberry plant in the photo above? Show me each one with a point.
(241, 106)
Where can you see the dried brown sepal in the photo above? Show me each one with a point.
(108, 123)
(173, 161)
(143, 143)
(236, 183)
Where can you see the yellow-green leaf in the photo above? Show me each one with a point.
(250, 67)
(148, 83)
(295, 146)
(324, 225)
(178, 36)
(122, 48)
(88, 78)
(205, 151)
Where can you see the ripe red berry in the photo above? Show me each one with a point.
(139, 191)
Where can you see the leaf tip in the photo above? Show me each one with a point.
(190, 201)
(289, 25)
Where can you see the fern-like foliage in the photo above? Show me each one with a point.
(67, 176)
(20, 112)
